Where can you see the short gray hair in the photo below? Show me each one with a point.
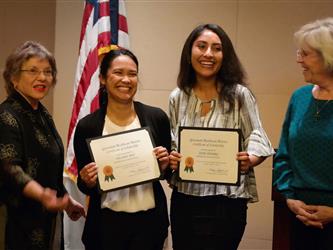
(319, 36)
(20, 55)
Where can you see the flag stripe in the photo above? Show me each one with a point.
(87, 12)
(104, 9)
(123, 24)
(89, 69)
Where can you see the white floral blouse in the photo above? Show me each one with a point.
(185, 110)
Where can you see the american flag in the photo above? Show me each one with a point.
(104, 27)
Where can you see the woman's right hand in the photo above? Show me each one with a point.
(53, 203)
(174, 159)
(46, 196)
(88, 174)
(296, 206)
(303, 213)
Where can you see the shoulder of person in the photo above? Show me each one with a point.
(148, 110)
(3, 106)
(90, 119)
(244, 93)
(177, 92)
(177, 95)
(240, 89)
(18, 106)
(306, 89)
(7, 104)
(7, 111)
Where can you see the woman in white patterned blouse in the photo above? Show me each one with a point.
(212, 93)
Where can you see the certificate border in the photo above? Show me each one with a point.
(181, 128)
(88, 140)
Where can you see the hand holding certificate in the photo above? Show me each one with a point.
(124, 159)
(209, 155)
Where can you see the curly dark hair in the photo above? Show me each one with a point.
(230, 74)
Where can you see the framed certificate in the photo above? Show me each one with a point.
(124, 159)
(209, 155)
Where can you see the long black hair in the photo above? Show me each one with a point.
(230, 74)
(104, 67)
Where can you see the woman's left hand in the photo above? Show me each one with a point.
(162, 156)
(75, 210)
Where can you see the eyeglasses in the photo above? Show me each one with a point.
(36, 72)
(301, 53)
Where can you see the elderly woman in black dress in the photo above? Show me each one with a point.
(31, 152)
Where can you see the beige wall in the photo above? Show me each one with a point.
(26, 20)
(260, 30)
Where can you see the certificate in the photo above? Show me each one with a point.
(209, 155)
(124, 159)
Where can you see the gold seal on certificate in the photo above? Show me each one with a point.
(108, 172)
(209, 155)
(124, 159)
(189, 161)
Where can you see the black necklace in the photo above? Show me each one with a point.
(319, 109)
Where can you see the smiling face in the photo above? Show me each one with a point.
(206, 56)
(312, 65)
(121, 80)
(32, 85)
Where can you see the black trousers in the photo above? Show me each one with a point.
(310, 238)
(132, 231)
(207, 222)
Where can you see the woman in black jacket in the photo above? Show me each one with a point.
(134, 217)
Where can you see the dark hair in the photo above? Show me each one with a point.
(230, 74)
(104, 67)
(22, 54)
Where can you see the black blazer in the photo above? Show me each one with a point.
(92, 126)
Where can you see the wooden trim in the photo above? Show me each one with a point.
(281, 221)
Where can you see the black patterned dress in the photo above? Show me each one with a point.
(30, 149)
